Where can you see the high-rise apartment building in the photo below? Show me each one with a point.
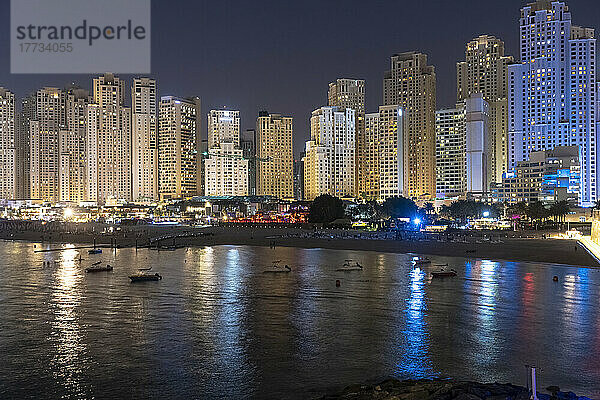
(371, 156)
(179, 173)
(329, 162)
(477, 145)
(225, 168)
(23, 147)
(450, 137)
(553, 91)
(350, 93)
(72, 148)
(410, 84)
(108, 142)
(275, 168)
(462, 146)
(248, 145)
(144, 167)
(485, 71)
(45, 116)
(8, 156)
(384, 156)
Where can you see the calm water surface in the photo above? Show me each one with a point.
(216, 326)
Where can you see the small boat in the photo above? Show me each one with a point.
(442, 266)
(276, 268)
(96, 267)
(144, 274)
(167, 248)
(443, 274)
(350, 266)
(421, 261)
(95, 251)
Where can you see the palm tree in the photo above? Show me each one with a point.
(560, 210)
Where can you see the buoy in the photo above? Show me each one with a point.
(338, 283)
(555, 278)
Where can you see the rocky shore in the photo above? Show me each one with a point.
(424, 389)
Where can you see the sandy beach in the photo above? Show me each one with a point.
(502, 246)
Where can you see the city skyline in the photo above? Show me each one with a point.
(232, 76)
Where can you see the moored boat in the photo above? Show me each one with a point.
(144, 274)
(350, 266)
(96, 267)
(443, 273)
(420, 261)
(95, 251)
(276, 268)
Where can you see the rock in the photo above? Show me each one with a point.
(352, 389)
(437, 389)
(467, 396)
(479, 392)
(442, 391)
(414, 395)
(553, 389)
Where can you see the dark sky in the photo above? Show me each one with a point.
(280, 55)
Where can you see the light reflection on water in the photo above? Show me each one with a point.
(415, 361)
(216, 326)
(67, 362)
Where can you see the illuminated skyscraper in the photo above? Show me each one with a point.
(144, 167)
(450, 163)
(385, 153)
(350, 93)
(46, 116)
(410, 84)
(329, 161)
(8, 156)
(485, 71)
(553, 92)
(179, 173)
(72, 149)
(462, 135)
(275, 163)
(108, 142)
(225, 168)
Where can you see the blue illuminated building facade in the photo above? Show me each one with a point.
(553, 91)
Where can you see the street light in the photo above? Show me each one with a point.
(417, 221)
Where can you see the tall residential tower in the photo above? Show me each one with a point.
(275, 158)
(8, 156)
(350, 93)
(410, 84)
(144, 145)
(45, 111)
(553, 92)
(108, 142)
(485, 72)
(329, 162)
(225, 169)
(179, 173)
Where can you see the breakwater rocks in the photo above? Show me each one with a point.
(393, 389)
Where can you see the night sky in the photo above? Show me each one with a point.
(280, 55)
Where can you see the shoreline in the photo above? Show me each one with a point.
(446, 389)
(554, 251)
